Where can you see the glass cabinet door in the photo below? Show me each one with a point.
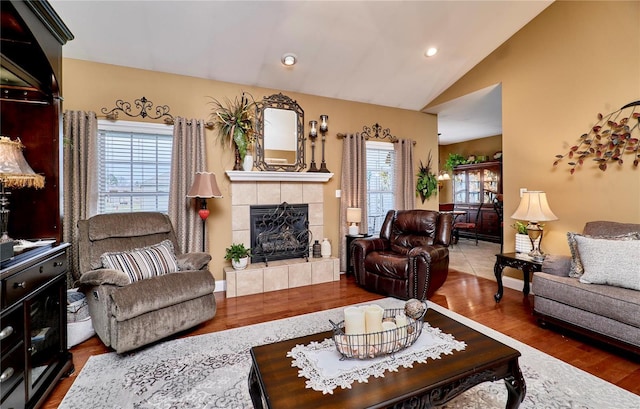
(490, 184)
(460, 187)
(474, 186)
(45, 341)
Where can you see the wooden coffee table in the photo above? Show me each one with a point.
(275, 383)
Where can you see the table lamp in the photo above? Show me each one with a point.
(354, 216)
(534, 208)
(15, 172)
(204, 187)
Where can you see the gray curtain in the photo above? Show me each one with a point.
(353, 186)
(80, 178)
(405, 195)
(187, 158)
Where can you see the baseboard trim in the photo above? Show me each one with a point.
(513, 283)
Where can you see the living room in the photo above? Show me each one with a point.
(556, 74)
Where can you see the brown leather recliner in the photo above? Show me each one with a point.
(410, 259)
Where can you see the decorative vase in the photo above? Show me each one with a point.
(248, 162)
(241, 264)
(317, 250)
(325, 248)
(523, 243)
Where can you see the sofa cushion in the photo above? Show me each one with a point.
(619, 304)
(144, 262)
(612, 262)
(145, 296)
(577, 269)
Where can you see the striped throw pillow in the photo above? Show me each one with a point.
(144, 262)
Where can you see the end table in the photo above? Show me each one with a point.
(520, 261)
(350, 239)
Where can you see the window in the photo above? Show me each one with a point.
(134, 163)
(380, 183)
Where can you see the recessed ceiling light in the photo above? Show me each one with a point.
(431, 52)
(289, 59)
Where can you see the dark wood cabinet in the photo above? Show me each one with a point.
(476, 185)
(30, 108)
(33, 326)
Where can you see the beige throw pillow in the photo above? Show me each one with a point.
(576, 270)
(610, 262)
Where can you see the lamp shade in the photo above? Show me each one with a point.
(15, 172)
(204, 186)
(534, 208)
(354, 215)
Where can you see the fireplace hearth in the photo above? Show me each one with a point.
(279, 232)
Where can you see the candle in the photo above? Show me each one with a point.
(323, 123)
(313, 132)
(354, 320)
(389, 336)
(373, 318)
(373, 323)
(401, 323)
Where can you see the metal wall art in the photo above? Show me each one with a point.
(144, 106)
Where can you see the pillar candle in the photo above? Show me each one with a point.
(401, 323)
(373, 323)
(389, 336)
(354, 321)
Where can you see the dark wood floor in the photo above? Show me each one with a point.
(463, 293)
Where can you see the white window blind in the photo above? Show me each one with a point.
(134, 161)
(380, 183)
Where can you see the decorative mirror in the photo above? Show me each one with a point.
(280, 139)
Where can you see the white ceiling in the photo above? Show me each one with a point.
(365, 51)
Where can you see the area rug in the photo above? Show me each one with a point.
(211, 371)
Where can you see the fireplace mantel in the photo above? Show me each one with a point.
(267, 176)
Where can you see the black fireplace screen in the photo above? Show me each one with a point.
(279, 232)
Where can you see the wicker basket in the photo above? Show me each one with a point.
(365, 346)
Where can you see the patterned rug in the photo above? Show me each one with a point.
(211, 370)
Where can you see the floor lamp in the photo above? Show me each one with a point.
(204, 187)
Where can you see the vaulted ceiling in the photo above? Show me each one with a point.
(365, 51)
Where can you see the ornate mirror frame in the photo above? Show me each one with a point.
(279, 102)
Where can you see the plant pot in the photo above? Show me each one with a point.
(523, 243)
(241, 264)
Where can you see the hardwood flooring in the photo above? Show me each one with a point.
(463, 293)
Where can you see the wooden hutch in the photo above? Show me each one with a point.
(33, 324)
(473, 185)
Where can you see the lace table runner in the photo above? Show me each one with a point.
(320, 362)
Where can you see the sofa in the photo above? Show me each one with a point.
(410, 259)
(139, 287)
(596, 290)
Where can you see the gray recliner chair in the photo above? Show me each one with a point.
(127, 315)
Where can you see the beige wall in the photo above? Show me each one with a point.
(483, 146)
(574, 60)
(92, 86)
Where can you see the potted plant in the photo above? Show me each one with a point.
(523, 242)
(234, 121)
(454, 160)
(427, 182)
(239, 256)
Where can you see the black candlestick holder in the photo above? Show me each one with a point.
(324, 127)
(313, 135)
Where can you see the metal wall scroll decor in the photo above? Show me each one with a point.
(144, 106)
(376, 132)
